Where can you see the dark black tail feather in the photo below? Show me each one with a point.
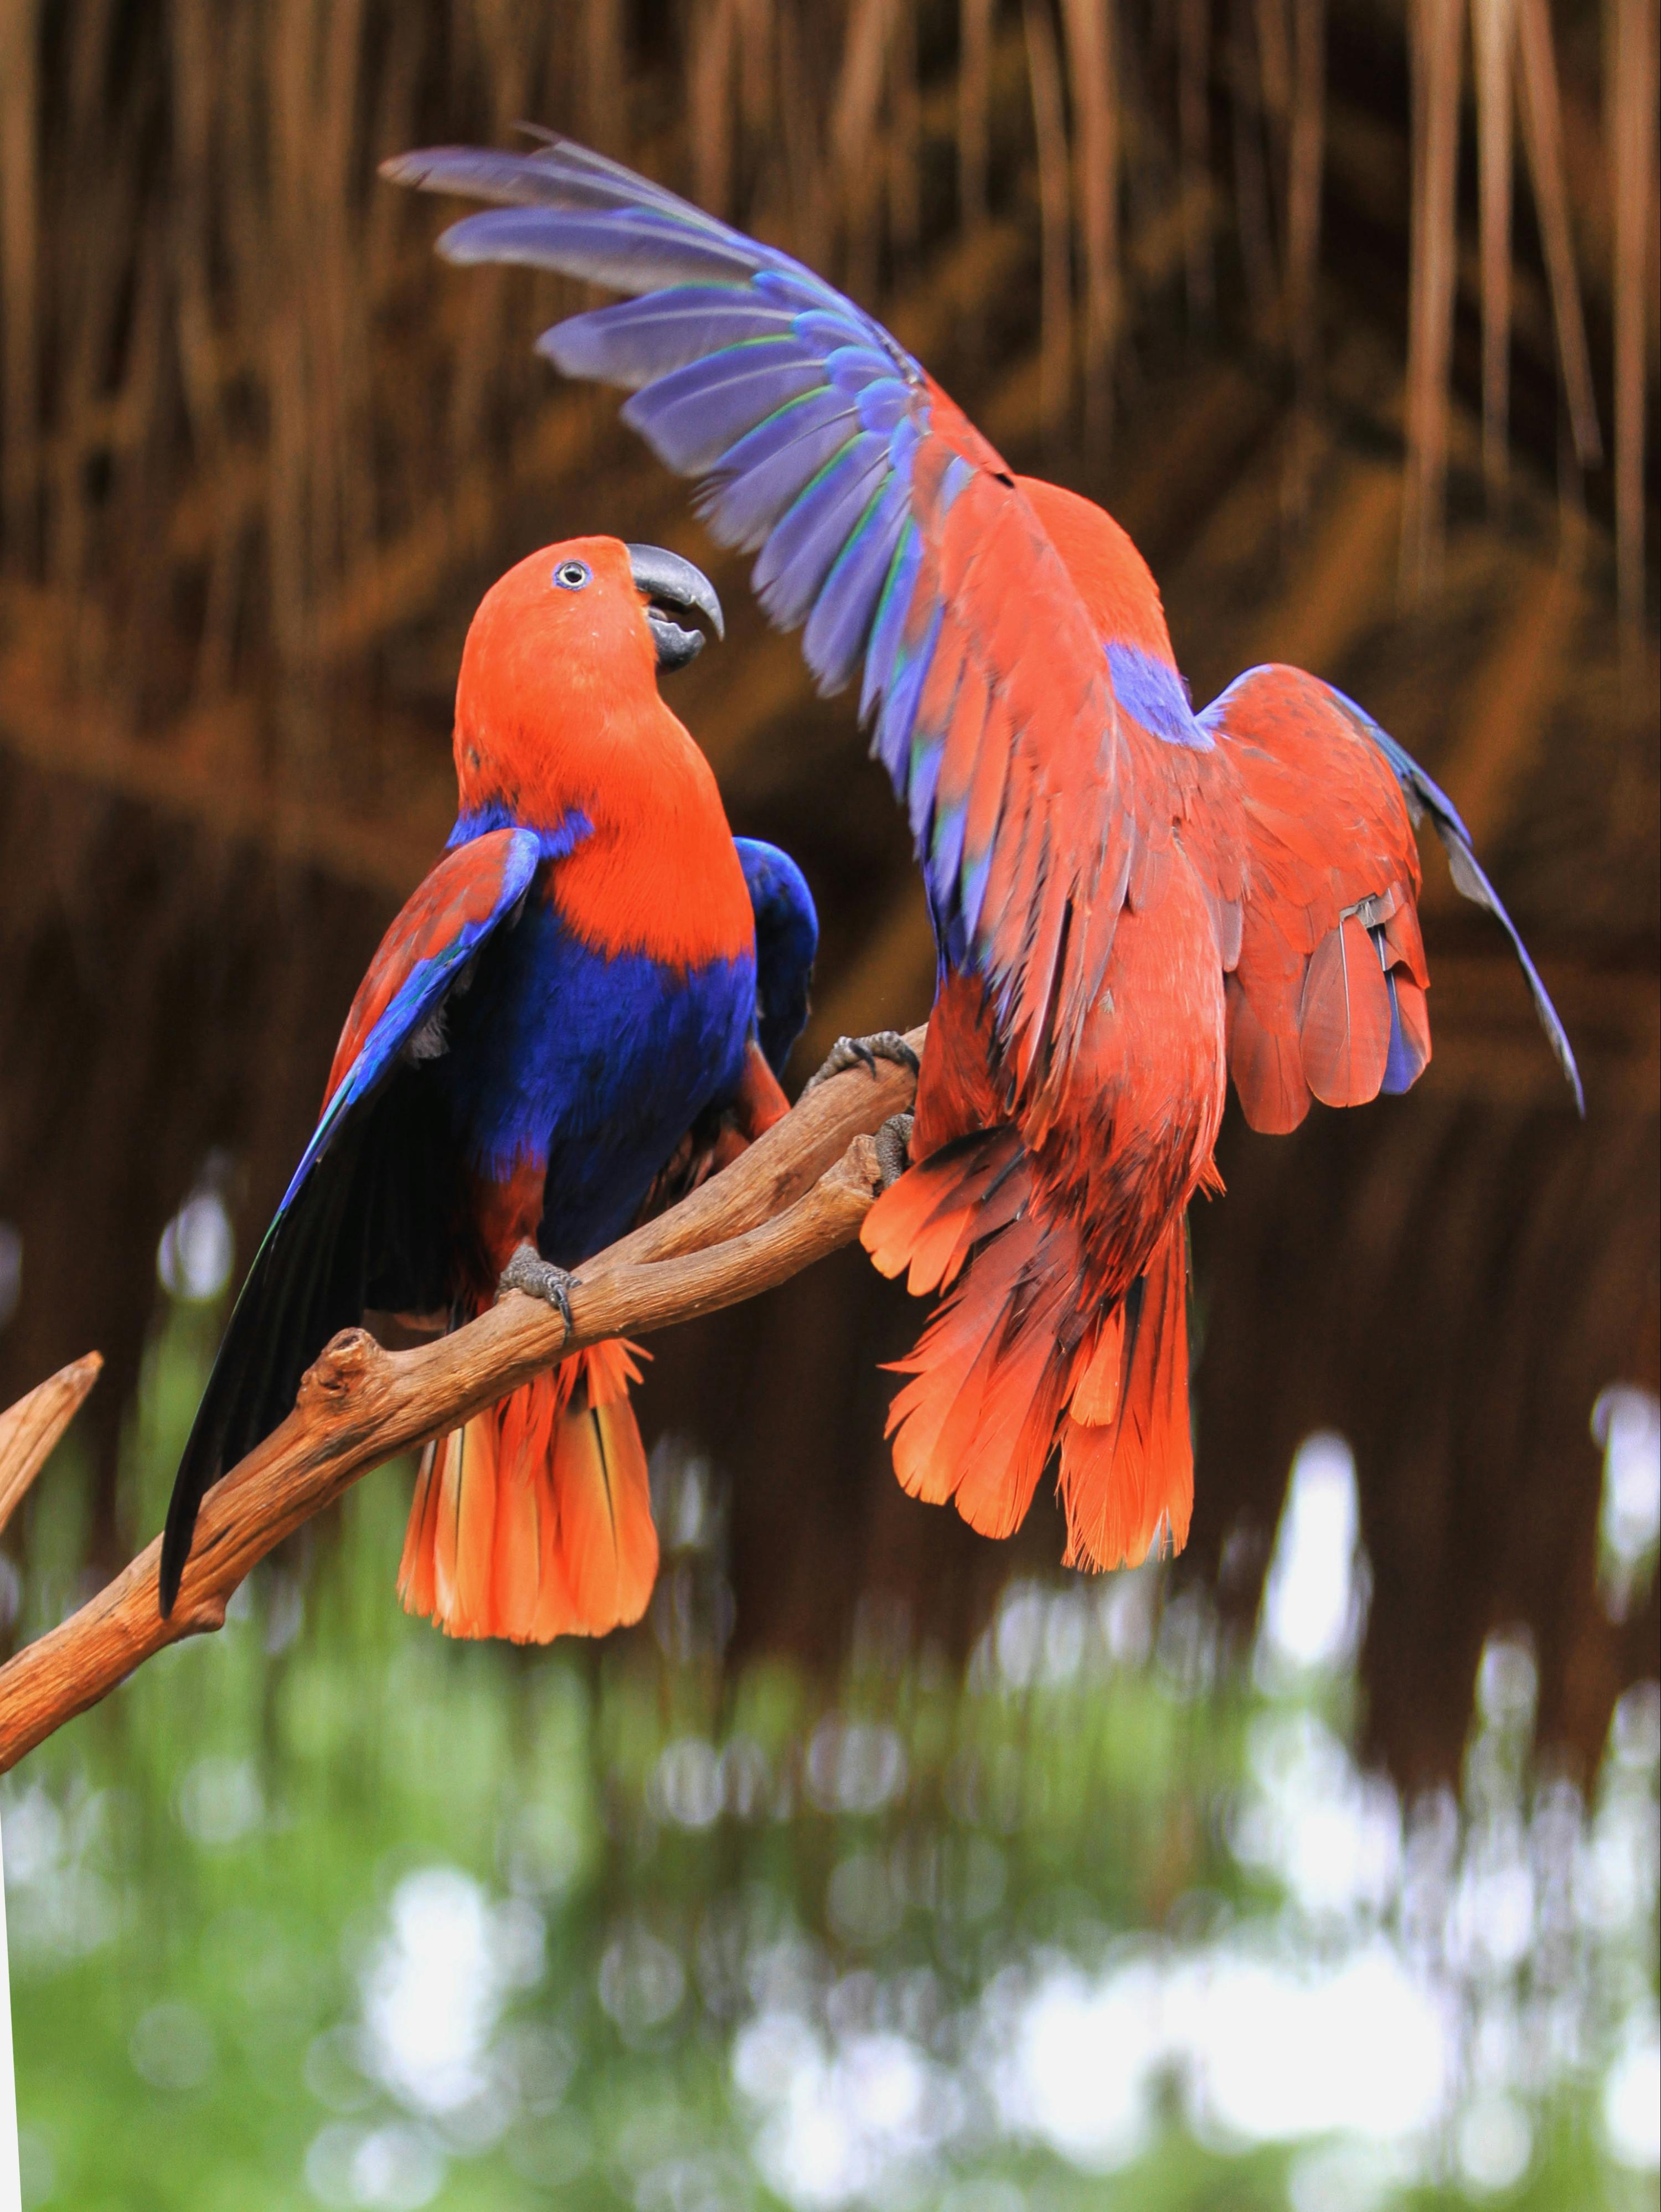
(369, 1227)
(296, 1296)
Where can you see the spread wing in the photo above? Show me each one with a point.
(366, 1217)
(1327, 996)
(886, 527)
(1424, 796)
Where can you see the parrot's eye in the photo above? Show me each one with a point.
(572, 575)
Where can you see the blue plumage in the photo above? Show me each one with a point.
(589, 1067)
(1154, 692)
(787, 942)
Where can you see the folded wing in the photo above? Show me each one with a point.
(364, 1221)
(1327, 998)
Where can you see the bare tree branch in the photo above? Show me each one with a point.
(796, 1195)
(33, 1425)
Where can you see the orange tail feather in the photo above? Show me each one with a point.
(1009, 1365)
(534, 1520)
(975, 1422)
(1127, 1474)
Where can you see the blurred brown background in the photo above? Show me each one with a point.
(1348, 311)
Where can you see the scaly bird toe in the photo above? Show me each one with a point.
(538, 1278)
(893, 1144)
(863, 1052)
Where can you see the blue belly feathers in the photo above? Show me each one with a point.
(596, 1064)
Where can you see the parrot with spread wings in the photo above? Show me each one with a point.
(581, 1011)
(1132, 901)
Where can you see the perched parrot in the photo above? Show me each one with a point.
(1131, 901)
(583, 1008)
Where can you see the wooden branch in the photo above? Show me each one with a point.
(30, 1429)
(798, 1193)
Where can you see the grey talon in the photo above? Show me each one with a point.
(864, 1052)
(538, 1278)
(893, 1144)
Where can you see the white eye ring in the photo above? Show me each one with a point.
(572, 575)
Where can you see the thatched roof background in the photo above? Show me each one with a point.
(1244, 268)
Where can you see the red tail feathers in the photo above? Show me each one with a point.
(535, 1521)
(1009, 1366)
(1126, 1446)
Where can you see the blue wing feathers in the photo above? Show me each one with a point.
(803, 545)
(1402, 1068)
(632, 341)
(417, 999)
(909, 671)
(760, 477)
(690, 417)
(888, 626)
(627, 250)
(922, 784)
(834, 639)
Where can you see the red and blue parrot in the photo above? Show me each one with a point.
(1131, 901)
(583, 1009)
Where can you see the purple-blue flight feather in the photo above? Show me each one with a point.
(690, 417)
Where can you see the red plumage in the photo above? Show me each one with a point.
(1131, 902)
(534, 1520)
(1171, 912)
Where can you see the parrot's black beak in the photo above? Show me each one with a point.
(670, 583)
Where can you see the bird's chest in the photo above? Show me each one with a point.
(589, 1068)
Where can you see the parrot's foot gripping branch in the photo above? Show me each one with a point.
(538, 1278)
(864, 1052)
(893, 1147)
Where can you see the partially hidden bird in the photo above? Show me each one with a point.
(580, 1011)
(1131, 901)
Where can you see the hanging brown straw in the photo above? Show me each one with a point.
(1091, 59)
(1630, 103)
(1542, 137)
(1437, 26)
(1054, 203)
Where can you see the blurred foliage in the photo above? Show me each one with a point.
(324, 1908)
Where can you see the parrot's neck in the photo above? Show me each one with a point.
(628, 807)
